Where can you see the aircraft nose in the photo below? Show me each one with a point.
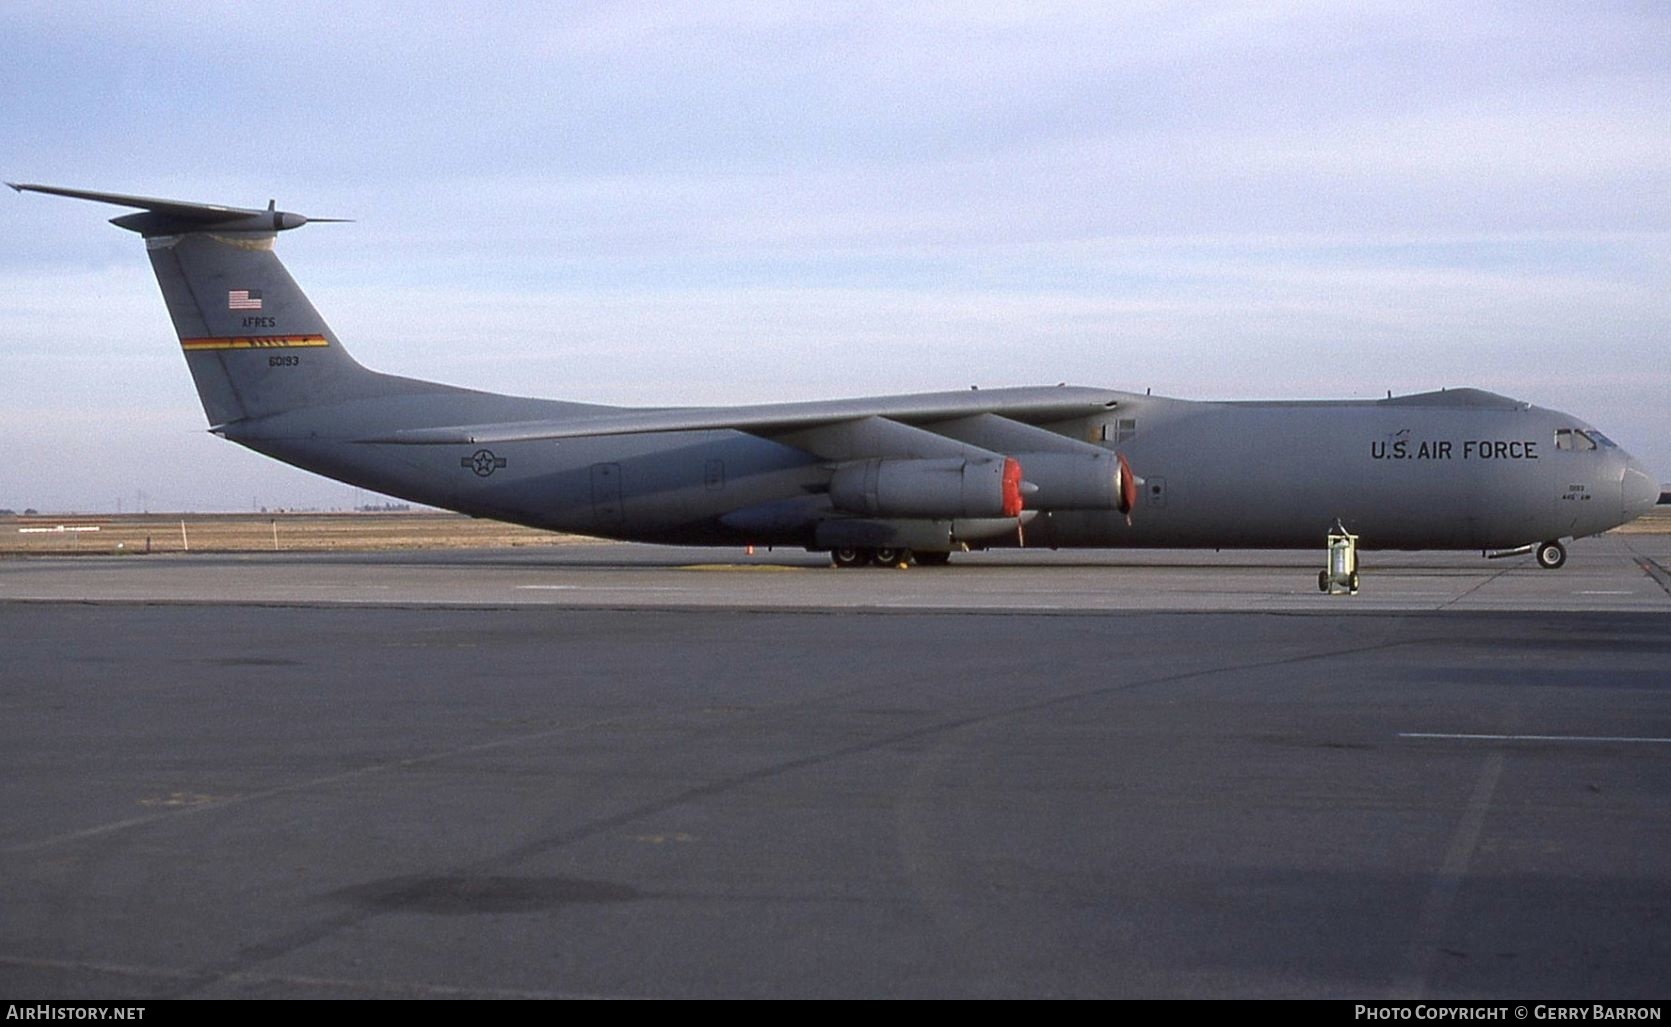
(1641, 490)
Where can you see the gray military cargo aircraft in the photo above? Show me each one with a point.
(877, 480)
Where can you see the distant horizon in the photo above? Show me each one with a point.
(393, 507)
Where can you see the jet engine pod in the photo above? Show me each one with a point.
(1080, 481)
(943, 488)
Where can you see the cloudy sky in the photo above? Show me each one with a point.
(733, 203)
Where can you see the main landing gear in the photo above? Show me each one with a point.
(887, 556)
(1551, 555)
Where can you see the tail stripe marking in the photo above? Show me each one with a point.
(255, 342)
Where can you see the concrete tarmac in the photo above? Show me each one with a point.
(1612, 572)
(633, 772)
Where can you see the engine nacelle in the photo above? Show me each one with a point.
(1079, 481)
(941, 489)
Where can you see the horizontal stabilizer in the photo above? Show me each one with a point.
(169, 217)
(1025, 404)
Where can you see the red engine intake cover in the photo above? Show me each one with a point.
(1012, 487)
(1128, 486)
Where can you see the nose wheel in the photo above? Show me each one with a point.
(1551, 555)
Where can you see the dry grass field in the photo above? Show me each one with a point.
(1656, 522)
(100, 534)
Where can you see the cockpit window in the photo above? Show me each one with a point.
(1573, 439)
(1601, 440)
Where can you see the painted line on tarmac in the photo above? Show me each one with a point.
(1429, 935)
(1654, 570)
(1534, 738)
(602, 588)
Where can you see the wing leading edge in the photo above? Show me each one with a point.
(1026, 405)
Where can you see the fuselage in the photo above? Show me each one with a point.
(1462, 469)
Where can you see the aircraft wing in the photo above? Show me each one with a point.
(772, 420)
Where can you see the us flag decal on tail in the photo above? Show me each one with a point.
(243, 299)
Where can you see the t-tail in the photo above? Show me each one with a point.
(254, 343)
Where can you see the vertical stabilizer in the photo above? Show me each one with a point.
(254, 343)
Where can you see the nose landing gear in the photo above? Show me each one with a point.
(1551, 555)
